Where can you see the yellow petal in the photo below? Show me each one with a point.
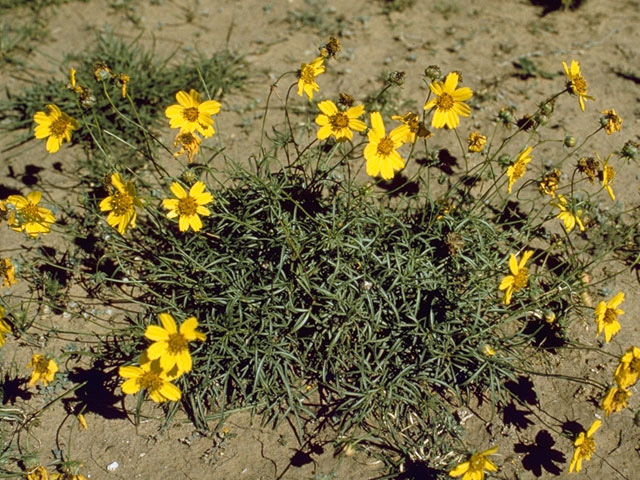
(168, 323)
(328, 107)
(156, 333)
(178, 191)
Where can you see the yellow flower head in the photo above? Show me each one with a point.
(380, 153)
(121, 204)
(628, 369)
(307, 77)
(611, 121)
(189, 144)
(615, 400)
(474, 468)
(517, 170)
(29, 217)
(412, 121)
(171, 345)
(607, 175)
(584, 447)
(149, 376)
(191, 114)
(56, 125)
(44, 369)
(476, 141)
(549, 183)
(122, 81)
(449, 102)
(519, 277)
(568, 217)
(188, 206)
(338, 123)
(4, 326)
(576, 83)
(7, 272)
(39, 473)
(607, 316)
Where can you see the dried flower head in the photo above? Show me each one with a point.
(611, 121)
(549, 183)
(589, 166)
(476, 141)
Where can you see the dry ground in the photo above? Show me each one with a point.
(482, 39)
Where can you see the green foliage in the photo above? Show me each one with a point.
(106, 111)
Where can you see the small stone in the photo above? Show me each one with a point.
(112, 467)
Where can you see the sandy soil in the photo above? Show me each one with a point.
(482, 39)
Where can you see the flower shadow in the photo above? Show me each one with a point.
(540, 454)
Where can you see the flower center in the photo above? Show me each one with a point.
(634, 366)
(519, 169)
(520, 279)
(476, 463)
(385, 146)
(30, 213)
(445, 102)
(588, 447)
(190, 114)
(177, 343)
(610, 316)
(307, 74)
(579, 85)
(187, 139)
(42, 366)
(609, 174)
(58, 127)
(339, 120)
(620, 398)
(122, 203)
(187, 206)
(150, 381)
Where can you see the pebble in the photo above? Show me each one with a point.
(112, 466)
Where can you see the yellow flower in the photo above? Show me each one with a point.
(339, 124)
(171, 345)
(576, 84)
(189, 206)
(476, 141)
(122, 80)
(4, 326)
(412, 121)
(189, 143)
(615, 400)
(474, 468)
(191, 114)
(72, 82)
(7, 213)
(380, 153)
(307, 77)
(7, 272)
(584, 447)
(611, 121)
(628, 369)
(44, 369)
(607, 176)
(488, 350)
(56, 125)
(29, 217)
(517, 170)
(549, 183)
(82, 422)
(607, 316)
(121, 204)
(39, 473)
(519, 277)
(569, 218)
(149, 376)
(449, 102)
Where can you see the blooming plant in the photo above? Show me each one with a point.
(348, 271)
